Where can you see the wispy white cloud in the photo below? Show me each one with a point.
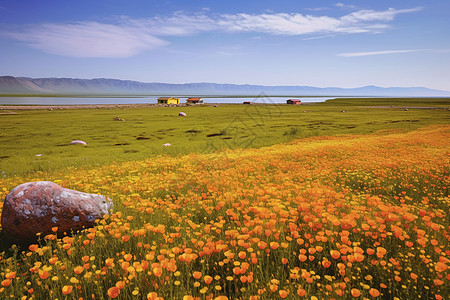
(347, 6)
(272, 23)
(126, 36)
(354, 54)
(385, 52)
(88, 39)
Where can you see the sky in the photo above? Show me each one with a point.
(308, 43)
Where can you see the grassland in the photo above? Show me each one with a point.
(310, 202)
(26, 134)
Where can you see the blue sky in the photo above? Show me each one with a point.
(317, 43)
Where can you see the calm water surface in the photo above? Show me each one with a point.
(141, 100)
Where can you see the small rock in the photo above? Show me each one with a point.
(37, 207)
(78, 142)
(182, 114)
(166, 145)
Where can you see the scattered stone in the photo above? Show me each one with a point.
(38, 154)
(78, 142)
(166, 145)
(37, 207)
(182, 114)
(118, 119)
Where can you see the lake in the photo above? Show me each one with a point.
(145, 100)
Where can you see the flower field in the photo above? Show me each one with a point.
(360, 216)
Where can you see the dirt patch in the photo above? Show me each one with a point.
(214, 134)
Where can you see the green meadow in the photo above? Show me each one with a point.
(346, 199)
(38, 140)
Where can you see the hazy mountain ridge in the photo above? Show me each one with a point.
(24, 85)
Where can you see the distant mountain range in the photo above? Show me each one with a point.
(10, 85)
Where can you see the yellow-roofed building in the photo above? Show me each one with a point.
(168, 100)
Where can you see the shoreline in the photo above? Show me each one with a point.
(84, 106)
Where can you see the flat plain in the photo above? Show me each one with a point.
(338, 200)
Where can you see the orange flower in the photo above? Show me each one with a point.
(120, 284)
(43, 274)
(33, 247)
(438, 282)
(358, 257)
(10, 275)
(197, 275)
(284, 260)
(374, 292)
(78, 269)
(67, 289)
(283, 293)
(53, 260)
(301, 292)
(335, 254)
(262, 245)
(381, 252)
(326, 263)
(440, 267)
(85, 258)
(355, 293)
(274, 245)
(6, 282)
(128, 257)
(207, 279)
(157, 271)
(113, 292)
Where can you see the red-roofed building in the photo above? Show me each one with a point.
(194, 100)
(294, 101)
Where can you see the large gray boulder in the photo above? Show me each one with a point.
(37, 207)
